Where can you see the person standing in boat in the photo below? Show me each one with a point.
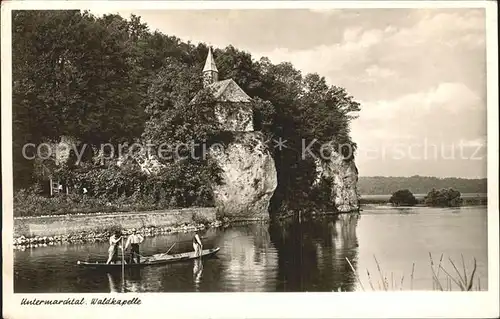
(114, 242)
(134, 240)
(197, 244)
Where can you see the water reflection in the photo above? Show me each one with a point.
(287, 256)
(130, 281)
(197, 272)
(112, 286)
(290, 256)
(405, 210)
(250, 260)
(134, 282)
(311, 254)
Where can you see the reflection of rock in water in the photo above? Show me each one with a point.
(252, 262)
(311, 254)
(197, 272)
(349, 245)
(347, 224)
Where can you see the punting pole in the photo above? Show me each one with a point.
(170, 248)
(123, 267)
(50, 181)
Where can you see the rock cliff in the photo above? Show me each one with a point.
(248, 178)
(344, 176)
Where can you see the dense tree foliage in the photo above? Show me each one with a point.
(76, 75)
(111, 80)
(381, 185)
(403, 197)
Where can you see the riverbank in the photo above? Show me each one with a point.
(471, 199)
(42, 231)
(281, 257)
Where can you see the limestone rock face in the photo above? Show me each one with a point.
(344, 175)
(248, 178)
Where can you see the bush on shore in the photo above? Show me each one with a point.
(113, 189)
(403, 197)
(443, 198)
(28, 202)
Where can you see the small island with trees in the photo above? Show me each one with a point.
(403, 197)
(422, 191)
(446, 197)
(443, 198)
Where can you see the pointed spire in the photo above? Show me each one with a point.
(210, 62)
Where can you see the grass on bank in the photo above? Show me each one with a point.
(463, 279)
(28, 204)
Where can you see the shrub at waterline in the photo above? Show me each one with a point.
(28, 203)
(403, 197)
(443, 198)
(163, 191)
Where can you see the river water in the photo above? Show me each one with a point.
(290, 256)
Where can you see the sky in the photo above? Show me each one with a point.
(419, 74)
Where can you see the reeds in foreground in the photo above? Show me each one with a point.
(464, 283)
(462, 279)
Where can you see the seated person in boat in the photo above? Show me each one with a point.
(197, 244)
(134, 240)
(114, 242)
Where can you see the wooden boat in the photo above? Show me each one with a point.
(157, 259)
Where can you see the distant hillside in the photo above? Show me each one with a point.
(380, 185)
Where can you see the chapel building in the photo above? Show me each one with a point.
(233, 109)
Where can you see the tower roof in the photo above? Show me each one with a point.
(210, 62)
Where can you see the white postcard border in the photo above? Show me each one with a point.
(260, 305)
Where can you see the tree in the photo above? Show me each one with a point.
(306, 108)
(111, 80)
(263, 115)
(238, 65)
(403, 197)
(174, 120)
(443, 198)
(86, 84)
(182, 129)
(326, 113)
(37, 43)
